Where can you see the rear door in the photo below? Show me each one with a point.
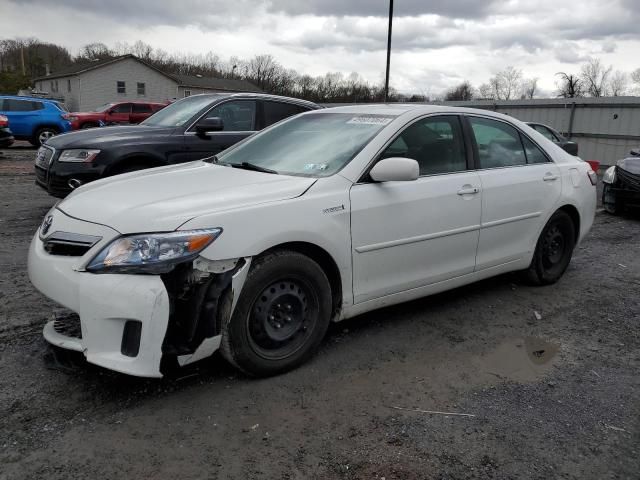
(22, 115)
(139, 112)
(520, 185)
(410, 234)
(239, 118)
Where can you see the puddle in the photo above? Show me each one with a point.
(522, 360)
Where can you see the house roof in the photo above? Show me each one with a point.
(225, 84)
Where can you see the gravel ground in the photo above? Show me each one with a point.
(548, 378)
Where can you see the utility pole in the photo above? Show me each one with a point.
(24, 72)
(386, 81)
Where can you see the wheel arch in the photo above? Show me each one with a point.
(572, 211)
(145, 159)
(325, 261)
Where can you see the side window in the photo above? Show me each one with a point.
(121, 87)
(122, 108)
(534, 154)
(11, 105)
(546, 132)
(276, 111)
(237, 116)
(37, 106)
(436, 143)
(141, 108)
(498, 144)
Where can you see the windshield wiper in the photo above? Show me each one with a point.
(252, 166)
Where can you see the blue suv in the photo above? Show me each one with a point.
(34, 119)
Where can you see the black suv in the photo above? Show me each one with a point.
(190, 129)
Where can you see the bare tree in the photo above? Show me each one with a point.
(529, 88)
(506, 83)
(96, 51)
(618, 84)
(595, 77)
(485, 91)
(462, 92)
(569, 85)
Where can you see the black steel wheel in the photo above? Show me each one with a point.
(281, 316)
(553, 251)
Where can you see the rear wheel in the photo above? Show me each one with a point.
(553, 250)
(609, 201)
(42, 135)
(88, 125)
(281, 316)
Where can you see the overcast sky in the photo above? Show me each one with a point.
(436, 43)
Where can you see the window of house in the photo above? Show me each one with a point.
(121, 87)
(141, 89)
(187, 93)
(436, 143)
(69, 85)
(499, 144)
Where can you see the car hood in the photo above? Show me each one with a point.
(95, 137)
(162, 199)
(630, 164)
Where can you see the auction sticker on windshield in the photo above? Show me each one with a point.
(371, 120)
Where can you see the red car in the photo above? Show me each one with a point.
(6, 137)
(114, 113)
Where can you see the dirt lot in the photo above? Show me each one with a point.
(548, 376)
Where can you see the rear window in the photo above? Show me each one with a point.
(15, 105)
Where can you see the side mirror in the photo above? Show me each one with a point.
(206, 125)
(395, 169)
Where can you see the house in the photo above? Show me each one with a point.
(87, 86)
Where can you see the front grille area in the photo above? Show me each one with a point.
(68, 324)
(69, 244)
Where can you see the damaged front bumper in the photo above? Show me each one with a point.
(140, 325)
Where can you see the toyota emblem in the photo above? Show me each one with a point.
(46, 225)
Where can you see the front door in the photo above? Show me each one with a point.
(119, 114)
(410, 234)
(239, 119)
(520, 185)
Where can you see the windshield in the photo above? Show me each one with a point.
(314, 145)
(180, 112)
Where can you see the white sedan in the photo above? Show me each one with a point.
(319, 218)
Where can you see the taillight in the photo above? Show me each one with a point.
(595, 165)
(4, 121)
(593, 177)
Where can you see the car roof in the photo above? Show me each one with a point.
(261, 96)
(414, 109)
(23, 97)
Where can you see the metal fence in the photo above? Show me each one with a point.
(605, 128)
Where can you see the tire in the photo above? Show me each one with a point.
(553, 251)
(281, 316)
(42, 135)
(610, 203)
(84, 126)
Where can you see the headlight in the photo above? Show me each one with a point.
(152, 253)
(609, 175)
(78, 155)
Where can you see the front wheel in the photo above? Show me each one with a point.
(42, 135)
(610, 203)
(281, 316)
(553, 251)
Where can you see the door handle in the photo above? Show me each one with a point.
(549, 177)
(468, 191)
